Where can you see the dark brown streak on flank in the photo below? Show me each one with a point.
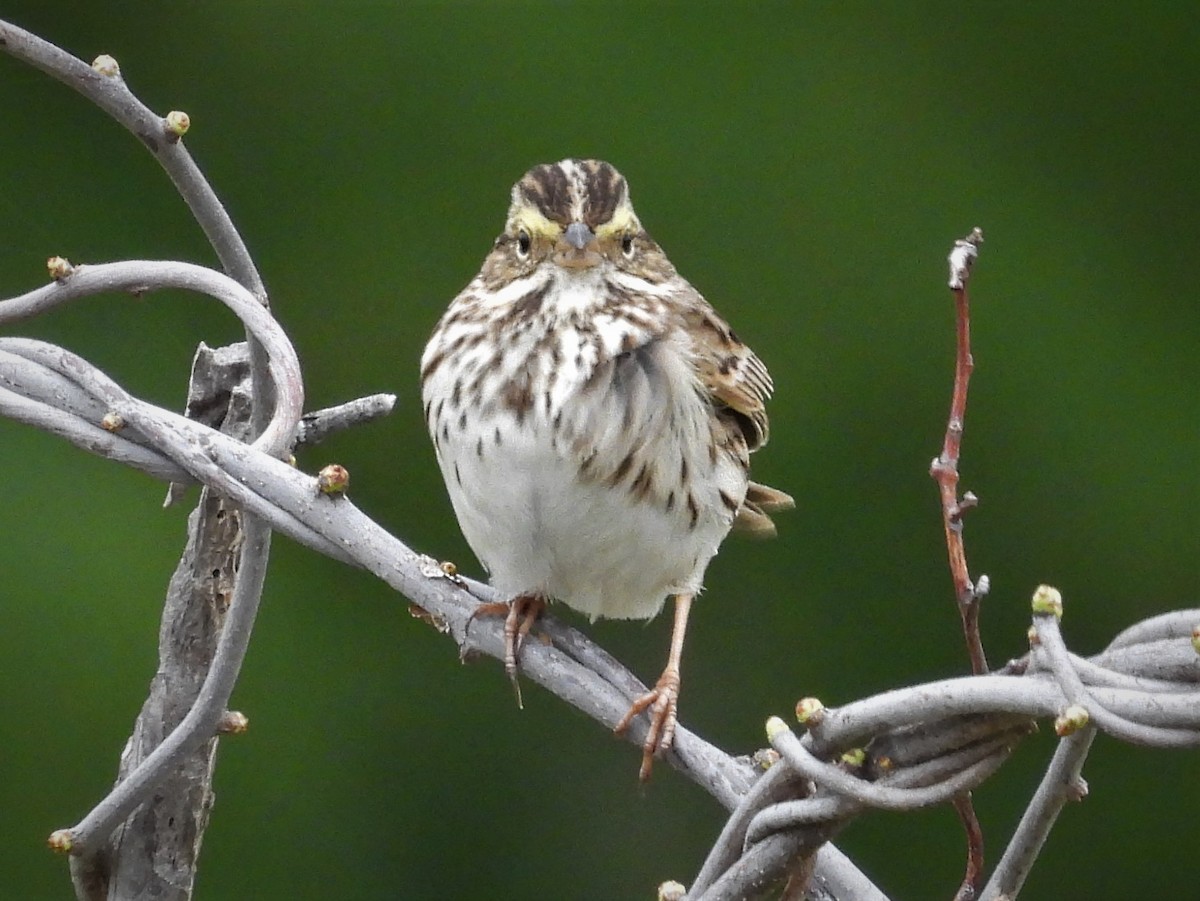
(643, 484)
(434, 362)
(517, 397)
(694, 510)
(622, 470)
(729, 502)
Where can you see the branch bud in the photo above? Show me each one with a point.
(962, 257)
(854, 758)
(60, 268)
(106, 66)
(765, 758)
(61, 841)
(1047, 601)
(232, 722)
(1196, 638)
(1071, 720)
(112, 422)
(177, 124)
(334, 479)
(775, 727)
(810, 712)
(671, 891)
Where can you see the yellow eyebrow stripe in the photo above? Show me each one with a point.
(531, 219)
(535, 223)
(622, 220)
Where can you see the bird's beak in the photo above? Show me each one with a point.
(577, 248)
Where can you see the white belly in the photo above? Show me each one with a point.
(539, 529)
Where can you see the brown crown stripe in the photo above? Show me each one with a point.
(548, 188)
(551, 191)
(605, 190)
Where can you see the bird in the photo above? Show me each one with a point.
(593, 419)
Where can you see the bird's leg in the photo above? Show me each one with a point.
(519, 616)
(663, 699)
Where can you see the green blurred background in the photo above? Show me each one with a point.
(807, 166)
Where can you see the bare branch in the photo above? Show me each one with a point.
(77, 427)
(944, 468)
(140, 276)
(318, 425)
(1176, 624)
(102, 84)
(1062, 783)
(881, 794)
(202, 719)
(1132, 729)
(777, 784)
(972, 880)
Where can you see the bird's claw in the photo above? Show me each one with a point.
(661, 704)
(519, 616)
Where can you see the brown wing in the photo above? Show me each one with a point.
(731, 373)
(739, 382)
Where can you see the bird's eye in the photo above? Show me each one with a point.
(524, 243)
(627, 245)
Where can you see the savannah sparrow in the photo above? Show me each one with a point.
(593, 418)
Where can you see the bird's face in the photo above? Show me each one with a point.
(573, 217)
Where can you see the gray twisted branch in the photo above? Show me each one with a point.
(102, 84)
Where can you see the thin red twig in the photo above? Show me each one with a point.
(972, 882)
(944, 468)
